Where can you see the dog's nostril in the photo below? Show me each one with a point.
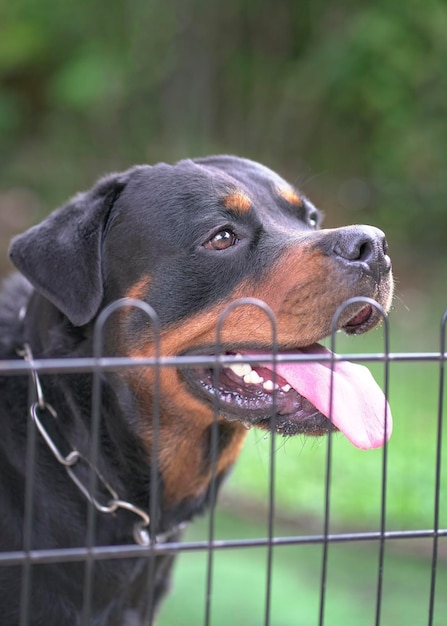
(364, 251)
(363, 245)
(354, 248)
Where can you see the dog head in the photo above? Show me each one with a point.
(188, 239)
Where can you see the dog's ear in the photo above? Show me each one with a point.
(61, 256)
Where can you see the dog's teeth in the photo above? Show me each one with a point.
(269, 385)
(253, 378)
(240, 370)
(246, 372)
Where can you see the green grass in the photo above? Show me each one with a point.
(239, 584)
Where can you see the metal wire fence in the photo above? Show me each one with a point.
(149, 546)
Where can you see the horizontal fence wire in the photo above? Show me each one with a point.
(98, 366)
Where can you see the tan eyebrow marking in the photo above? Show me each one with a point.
(238, 201)
(290, 195)
(138, 290)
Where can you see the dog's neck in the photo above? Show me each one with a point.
(38, 319)
(123, 447)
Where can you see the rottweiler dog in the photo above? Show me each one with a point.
(185, 241)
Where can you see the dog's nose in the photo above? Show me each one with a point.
(363, 246)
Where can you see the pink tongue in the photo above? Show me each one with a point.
(359, 408)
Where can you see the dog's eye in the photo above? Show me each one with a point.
(222, 240)
(313, 220)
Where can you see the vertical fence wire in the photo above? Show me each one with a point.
(438, 462)
(89, 563)
(326, 514)
(212, 493)
(383, 497)
(272, 473)
(153, 496)
(31, 453)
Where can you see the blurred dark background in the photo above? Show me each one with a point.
(346, 99)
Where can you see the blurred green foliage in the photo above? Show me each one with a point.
(354, 93)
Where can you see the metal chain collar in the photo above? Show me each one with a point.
(75, 463)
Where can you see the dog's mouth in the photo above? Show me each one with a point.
(305, 391)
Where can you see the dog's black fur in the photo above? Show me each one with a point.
(187, 239)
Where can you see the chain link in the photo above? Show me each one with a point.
(74, 461)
